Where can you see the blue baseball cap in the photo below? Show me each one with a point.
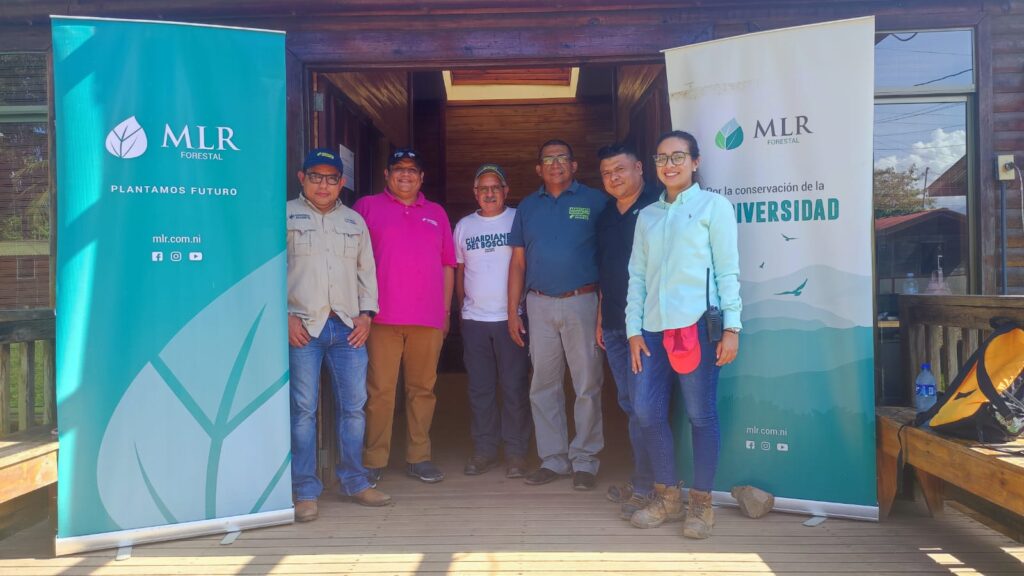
(325, 157)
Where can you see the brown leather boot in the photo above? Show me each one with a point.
(700, 517)
(305, 511)
(370, 497)
(666, 506)
(635, 502)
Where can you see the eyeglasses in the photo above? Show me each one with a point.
(497, 189)
(317, 178)
(676, 158)
(557, 159)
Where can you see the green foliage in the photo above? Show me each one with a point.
(896, 192)
(14, 383)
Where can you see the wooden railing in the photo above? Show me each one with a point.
(27, 393)
(945, 330)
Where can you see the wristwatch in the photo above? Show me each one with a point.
(369, 313)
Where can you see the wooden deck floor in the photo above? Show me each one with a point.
(490, 525)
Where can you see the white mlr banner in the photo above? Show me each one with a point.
(784, 123)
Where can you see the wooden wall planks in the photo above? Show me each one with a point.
(511, 134)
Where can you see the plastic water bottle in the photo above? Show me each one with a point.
(910, 284)
(924, 389)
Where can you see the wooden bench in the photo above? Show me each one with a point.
(28, 450)
(28, 461)
(945, 331)
(992, 472)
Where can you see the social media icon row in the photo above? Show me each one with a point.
(176, 256)
(767, 446)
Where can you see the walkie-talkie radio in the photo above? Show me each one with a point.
(713, 316)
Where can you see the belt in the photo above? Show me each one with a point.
(586, 289)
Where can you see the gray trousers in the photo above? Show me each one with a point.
(491, 355)
(562, 329)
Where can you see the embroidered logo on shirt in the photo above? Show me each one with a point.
(429, 221)
(300, 216)
(579, 213)
(350, 221)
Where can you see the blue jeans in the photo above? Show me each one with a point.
(347, 367)
(616, 347)
(699, 391)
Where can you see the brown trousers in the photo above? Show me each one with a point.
(416, 350)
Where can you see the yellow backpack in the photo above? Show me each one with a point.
(986, 400)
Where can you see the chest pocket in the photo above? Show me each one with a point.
(346, 239)
(300, 236)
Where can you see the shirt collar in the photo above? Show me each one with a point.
(420, 198)
(317, 210)
(683, 196)
(573, 188)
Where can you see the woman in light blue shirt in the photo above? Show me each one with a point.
(684, 256)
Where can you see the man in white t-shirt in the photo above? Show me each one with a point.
(481, 286)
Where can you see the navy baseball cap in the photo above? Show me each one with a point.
(402, 154)
(325, 157)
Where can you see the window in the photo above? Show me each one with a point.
(924, 85)
(24, 182)
(923, 167)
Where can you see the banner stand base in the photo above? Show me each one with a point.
(79, 544)
(811, 507)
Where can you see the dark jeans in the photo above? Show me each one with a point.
(699, 391)
(490, 356)
(616, 347)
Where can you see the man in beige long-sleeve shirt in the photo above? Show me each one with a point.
(332, 298)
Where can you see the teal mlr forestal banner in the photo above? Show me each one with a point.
(172, 364)
(784, 123)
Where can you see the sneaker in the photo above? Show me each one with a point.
(477, 465)
(583, 481)
(516, 467)
(306, 511)
(619, 494)
(425, 472)
(542, 476)
(369, 497)
(374, 476)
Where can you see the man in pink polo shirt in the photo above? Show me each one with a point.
(415, 256)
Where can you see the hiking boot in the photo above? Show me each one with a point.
(306, 511)
(425, 472)
(620, 494)
(636, 502)
(477, 465)
(515, 467)
(369, 497)
(665, 506)
(700, 517)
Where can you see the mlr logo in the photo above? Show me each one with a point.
(127, 139)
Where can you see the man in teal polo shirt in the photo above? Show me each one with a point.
(554, 258)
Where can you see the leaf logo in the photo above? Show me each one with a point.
(202, 430)
(127, 139)
(730, 136)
